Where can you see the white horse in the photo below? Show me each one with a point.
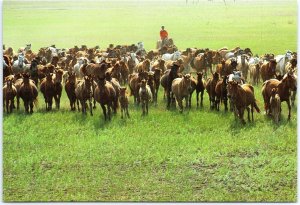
(77, 66)
(281, 61)
(19, 65)
(174, 56)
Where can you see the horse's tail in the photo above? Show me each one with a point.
(256, 107)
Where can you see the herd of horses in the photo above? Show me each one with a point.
(91, 75)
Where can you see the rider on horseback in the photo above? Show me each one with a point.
(163, 35)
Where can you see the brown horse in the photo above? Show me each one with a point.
(134, 84)
(105, 94)
(267, 70)
(47, 87)
(123, 99)
(84, 92)
(70, 89)
(28, 92)
(221, 92)
(7, 66)
(57, 78)
(242, 96)
(254, 73)
(124, 72)
(145, 95)
(9, 94)
(287, 84)
(275, 105)
(200, 63)
(210, 88)
(157, 75)
(181, 88)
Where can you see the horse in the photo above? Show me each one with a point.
(70, 89)
(171, 75)
(200, 63)
(124, 72)
(254, 70)
(9, 94)
(174, 56)
(242, 96)
(275, 105)
(47, 87)
(7, 67)
(145, 95)
(157, 74)
(134, 84)
(123, 99)
(57, 78)
(77, 67)
(28, 93)
(281, 61)
(33, 70)
(267, 70)
(210, 89)
(19, 65)
(284, 86)
(84, 92)
(243, 65)
(221, 92)
(105, 94)
(181, 88)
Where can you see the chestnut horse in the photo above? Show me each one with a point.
(28, 92)
(287, 84)
(9, 94)
(242, 96)
(105, 94)
(70, 89)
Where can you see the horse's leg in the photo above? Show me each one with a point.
(104, 111)
(91, 106)
(147, 103)
(18, 102)
(248, 111)
(127, 112)
(31, 106)
(225, 103)
(293, 97)
(11, 105)
(143, 107)
(197, 97)
(77, 104)
(7, 105)
(109, 112)
(122, 110)
(187, 101)
(26, 106)
(179, 101)
(241, 115)
(168, 99)
(289, 106)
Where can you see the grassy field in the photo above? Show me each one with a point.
(200, 155)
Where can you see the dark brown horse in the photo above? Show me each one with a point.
(242, 97)
(210, 88)
(28, 92)
(9, 94)
(70, 89)
(84, 92)
(48, 89)
(105, 94)
(221, 93)
(287, 84)
(7, 67)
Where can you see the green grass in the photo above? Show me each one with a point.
(200, 155)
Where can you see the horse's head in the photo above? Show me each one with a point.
(199, 76)
(21, 59)
(71, 77)
(143, 83)
(186, 81)
(231, 89)
(59, 75)
(291, 80)
(122, 91)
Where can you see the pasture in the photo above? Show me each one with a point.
(200, 155)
